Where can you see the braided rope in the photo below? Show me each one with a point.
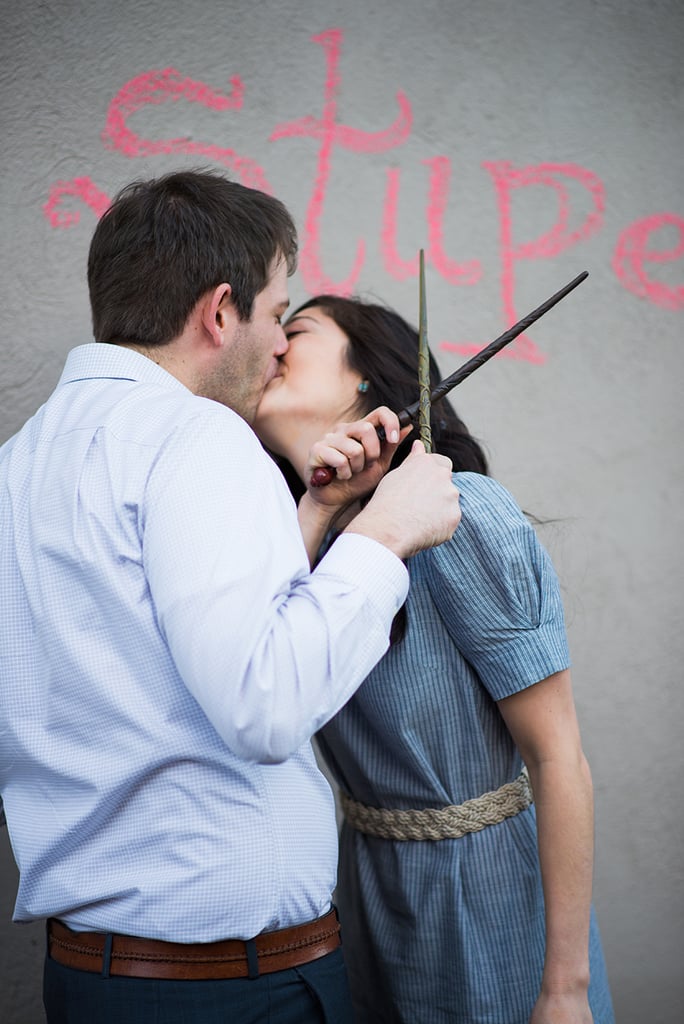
(441, 823)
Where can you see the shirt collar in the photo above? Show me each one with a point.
(98, 360)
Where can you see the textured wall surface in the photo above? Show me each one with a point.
(518, 143)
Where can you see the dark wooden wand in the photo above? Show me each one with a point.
(323, 475)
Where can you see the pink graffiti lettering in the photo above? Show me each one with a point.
(507, 178)
(331, 134)
(450, 270)
(167, 86)
(631, 254)
(79, 188)
(574, 220)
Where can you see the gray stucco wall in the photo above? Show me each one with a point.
(519, 143)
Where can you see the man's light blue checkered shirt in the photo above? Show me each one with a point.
(164, 657)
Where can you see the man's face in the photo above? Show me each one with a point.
(250, 361)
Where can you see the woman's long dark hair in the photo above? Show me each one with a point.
(383, 348)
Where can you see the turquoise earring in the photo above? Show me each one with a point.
(363, 387)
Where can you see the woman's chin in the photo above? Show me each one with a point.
(267, 406)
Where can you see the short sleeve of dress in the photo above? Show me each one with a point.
(497, 592)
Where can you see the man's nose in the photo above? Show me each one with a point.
(282, 343)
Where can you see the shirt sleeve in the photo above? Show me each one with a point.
(497, 591)
(269, 650)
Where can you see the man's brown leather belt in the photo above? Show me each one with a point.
(124, 955)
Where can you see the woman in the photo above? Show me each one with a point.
(462, 914)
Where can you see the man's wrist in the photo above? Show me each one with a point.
(376, 528)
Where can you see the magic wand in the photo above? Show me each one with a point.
(323, 475)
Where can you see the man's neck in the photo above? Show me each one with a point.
(170, 358)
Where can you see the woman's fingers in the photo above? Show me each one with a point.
(389, 421)
(345, 455)
(348, 449)
(351, 448)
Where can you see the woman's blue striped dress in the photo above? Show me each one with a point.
(453, 930)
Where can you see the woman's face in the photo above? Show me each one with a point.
(315, 387)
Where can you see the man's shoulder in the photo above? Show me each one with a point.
(148, 409)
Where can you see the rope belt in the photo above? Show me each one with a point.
(445, 822)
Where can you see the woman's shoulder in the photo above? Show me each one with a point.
(483, 489)
(486, 505)
(493, 533)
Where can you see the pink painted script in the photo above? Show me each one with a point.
(632, 254)
(331, 134)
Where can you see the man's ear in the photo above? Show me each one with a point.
(218, 314)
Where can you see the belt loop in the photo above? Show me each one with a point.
(107, 955)
(252, 959)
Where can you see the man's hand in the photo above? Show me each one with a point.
(414, 507)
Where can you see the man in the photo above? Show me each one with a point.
(165, 651)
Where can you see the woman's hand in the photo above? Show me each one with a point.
(360, 460)
(357, 456)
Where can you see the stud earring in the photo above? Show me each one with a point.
(363, 387)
